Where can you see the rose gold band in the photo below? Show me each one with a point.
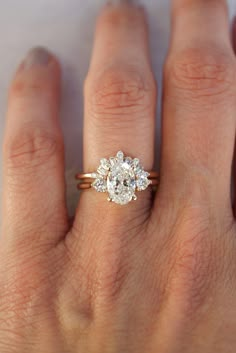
(85, 179)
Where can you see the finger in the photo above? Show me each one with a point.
(119, 115)
(33, 191)
(199, 105)
(119, 100)
(234, 161)
(234, 34)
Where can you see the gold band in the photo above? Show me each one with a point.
(85, 179)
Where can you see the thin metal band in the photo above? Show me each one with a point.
(82, 176)
(88, 185)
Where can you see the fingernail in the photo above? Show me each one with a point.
(37, 57)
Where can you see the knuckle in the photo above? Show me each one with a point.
(202, 73)
(120, 91)
(30, 148)
(21, 89)
(105, 275)
(32, 86)
(179, 9)
(197, 258)
(114, 283)
(198, 184)
(193, 272)
(25, 291)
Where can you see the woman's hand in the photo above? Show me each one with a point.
(152, 276)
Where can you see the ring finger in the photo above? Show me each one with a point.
(120, 100)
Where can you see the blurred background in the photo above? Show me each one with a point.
(66, 27)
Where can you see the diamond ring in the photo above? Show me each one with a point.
(120, 177)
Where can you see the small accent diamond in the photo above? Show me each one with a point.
(112, 160)
(128, 160)
(100, 184)
(135, 161)
(105, 163)
(138, 169)
(120, 155)
(142, 181)
(102, 171)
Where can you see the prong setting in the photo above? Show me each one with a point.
(120, 177)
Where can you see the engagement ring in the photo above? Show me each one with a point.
(120, 177)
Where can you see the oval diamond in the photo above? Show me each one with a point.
(121, 182)
(120, 177)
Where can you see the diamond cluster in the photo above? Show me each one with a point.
(120, 177)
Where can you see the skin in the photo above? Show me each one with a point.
(157, 275)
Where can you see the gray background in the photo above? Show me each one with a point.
(66, 27)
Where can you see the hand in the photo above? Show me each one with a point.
(155, 275)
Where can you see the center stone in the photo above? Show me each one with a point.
(121, 183)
